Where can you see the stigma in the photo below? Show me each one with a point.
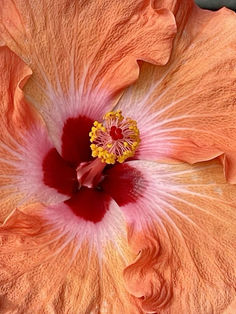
(115, 139)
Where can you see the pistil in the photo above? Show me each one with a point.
(114, 140)
(89, 174)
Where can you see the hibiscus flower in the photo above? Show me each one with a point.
(100, 211)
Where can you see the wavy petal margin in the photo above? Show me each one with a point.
(50, 264)
(16, 118)
(186, 109)
(182, 258)
(83, 53)
(183, 232)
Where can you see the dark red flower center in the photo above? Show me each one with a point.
(120, 182)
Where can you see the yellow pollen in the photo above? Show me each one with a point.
(114, 140)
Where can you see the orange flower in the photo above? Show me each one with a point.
(100, 216)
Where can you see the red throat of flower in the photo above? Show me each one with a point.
(114, 140)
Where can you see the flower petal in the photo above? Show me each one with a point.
(186, 109)
(64, 265)
(182, 229)
(24, 144)
(84, 53)
(42, 173)
(16, 118)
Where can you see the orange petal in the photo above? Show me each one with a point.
(16, 117)
(83, 53)
(53, 270)
(185, 110)
(15, 114)
(186, 248)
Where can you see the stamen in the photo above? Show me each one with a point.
(116, 139)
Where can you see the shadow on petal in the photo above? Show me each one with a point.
(146, 280)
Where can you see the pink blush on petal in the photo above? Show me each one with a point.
(124, 184)
(34, 149)
(129, 185)
(120, 182)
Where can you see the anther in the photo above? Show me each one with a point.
(116, 139)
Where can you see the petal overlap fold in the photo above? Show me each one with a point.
(155, 235)
(83, 54)
(184, 238)
(16, 118)
(50, 263)
(186, 109)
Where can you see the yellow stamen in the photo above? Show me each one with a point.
(116, 139)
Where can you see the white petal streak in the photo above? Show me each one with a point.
(22, 168)
(111, 227)
(181, 192)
